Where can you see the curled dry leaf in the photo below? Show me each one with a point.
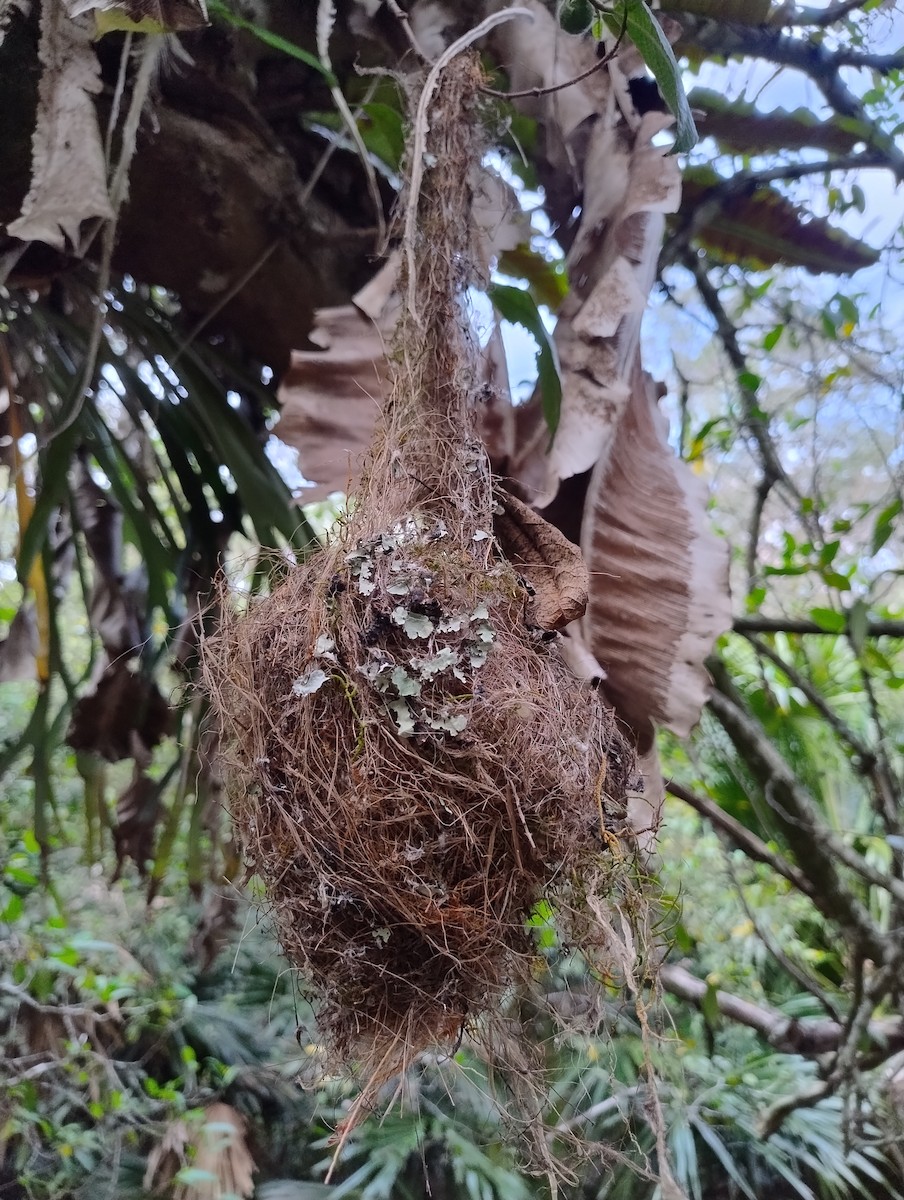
(123, 716)
(330, 399)
(19, 649)
(68, 179)
(552, 565)
(138, 810)
(612, 265)
(662, 599)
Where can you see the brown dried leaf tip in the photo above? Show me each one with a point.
(552, 566)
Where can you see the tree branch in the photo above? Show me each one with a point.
(741, 837)
(754, 420)
(831, 718)
(787, 964)
(822, 65)
(785, 1034)
(810, 839)
(824, 17)
(874, 629)
(870, 762)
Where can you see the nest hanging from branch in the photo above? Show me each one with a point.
(414, 766)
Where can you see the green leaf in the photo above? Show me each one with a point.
(828, 619)
(828, 552)
(547, 279)
(858, 624)
(749, 381)
(519, 307)
(709, 1006)
(383, 133)
(723, 1154)
(771, 340)
(54, 460)
(272, 39)
(13, 909)
(654, 47)
(836, 580)
(576, 16)
(885, 523)
(755, 599)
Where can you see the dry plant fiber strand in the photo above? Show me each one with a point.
(413, 765)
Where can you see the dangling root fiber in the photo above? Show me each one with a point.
(414, 766)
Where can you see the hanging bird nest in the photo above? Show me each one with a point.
(414, 766)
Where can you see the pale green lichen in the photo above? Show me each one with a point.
(311, 681)
(404, 684)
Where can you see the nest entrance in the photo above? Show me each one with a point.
(414, 767)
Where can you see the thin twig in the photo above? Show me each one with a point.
(764, 487)
(812, 1037)
(800, 681)
(230, 294)
(553, 87)
(740, 836)
(332, 145)
(326, 13)
(627, 1095)
(810, 838)
(823, 17)
(151, 48)
(788, 965)
(405, 21)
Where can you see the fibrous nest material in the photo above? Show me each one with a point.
(414, 767)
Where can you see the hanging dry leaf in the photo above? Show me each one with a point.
(612, 265)
(502, 224)
(138, 811)
(221, 1151)
(167, 1157)
(118, 602)
(122, 706)
(553, 567)
(18, 650)
(539, 54)
(330, 399)
(68, 178)
(661, 596)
